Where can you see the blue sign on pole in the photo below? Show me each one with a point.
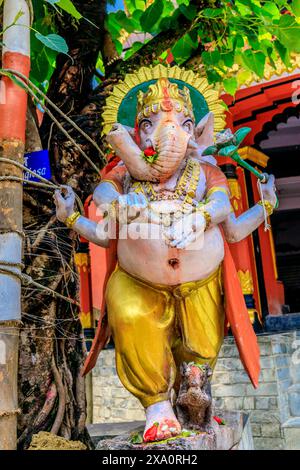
(39, 163)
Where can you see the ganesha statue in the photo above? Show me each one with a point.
(172, 286)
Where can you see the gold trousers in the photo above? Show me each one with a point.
(156, 327)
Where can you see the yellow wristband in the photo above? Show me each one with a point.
(206, 215)
(268, 207)
(72, 219)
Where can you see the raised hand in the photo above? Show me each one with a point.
(65, 201)
(269, 190)
(130, 207)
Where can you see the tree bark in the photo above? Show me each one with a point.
(52, 345)
(15, 53)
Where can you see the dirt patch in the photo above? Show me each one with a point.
(47, 441)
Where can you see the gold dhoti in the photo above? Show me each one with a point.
(156, 327)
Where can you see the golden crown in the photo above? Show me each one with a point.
(166, 96)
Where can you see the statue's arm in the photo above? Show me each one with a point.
(238, 228)
(105, 193)
(95, 232)
(217, 206)
(217, 202)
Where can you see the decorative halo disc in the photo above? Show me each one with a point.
(121, 105)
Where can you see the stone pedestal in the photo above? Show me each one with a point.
(273, 406)
(291, 431)
(234, 435)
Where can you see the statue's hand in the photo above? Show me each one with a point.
(269, 190)
(130, 207)
(185, 231)
(64, 200)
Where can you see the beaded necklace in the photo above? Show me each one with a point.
(185, 189)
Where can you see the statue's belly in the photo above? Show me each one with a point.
(153, 260)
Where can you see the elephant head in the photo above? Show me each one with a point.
(165, 129)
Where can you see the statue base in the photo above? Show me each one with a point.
(235, 434)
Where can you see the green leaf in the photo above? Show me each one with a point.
(100, 64)
(228, 58)
(213, 76)
(183, 48)
(42, 65)
(119, 47)
(211, 150)
(118, 21)
(211, 58)
(242, 8)
(227, 151)
(270, 10)
(241, 133)
(254, 6)
(288, 33)
(230, 85)
(255, 61)
(283, 53)
(213, 12)
(254, 42)
(136, 438)
(68, 6)
(134, 48)
(296, 7)
(238, 41)
(151, 16)
(54, 42)
(268, 49)
(188, 11)
(15, 20)
(133, 5)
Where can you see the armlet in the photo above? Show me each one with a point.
(113, 183)
(215, 189)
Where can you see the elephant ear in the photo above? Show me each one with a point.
(204, 131)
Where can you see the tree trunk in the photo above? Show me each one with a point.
(52, 347)
(15, 54)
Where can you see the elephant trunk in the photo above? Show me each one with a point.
(171, 143)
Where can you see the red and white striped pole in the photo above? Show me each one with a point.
(13, 107)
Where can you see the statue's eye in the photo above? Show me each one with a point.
(188, 125)
(145, 124)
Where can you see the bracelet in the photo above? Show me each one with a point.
(206, 216)
(268, 207)
(112, 211)
(72, 219)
